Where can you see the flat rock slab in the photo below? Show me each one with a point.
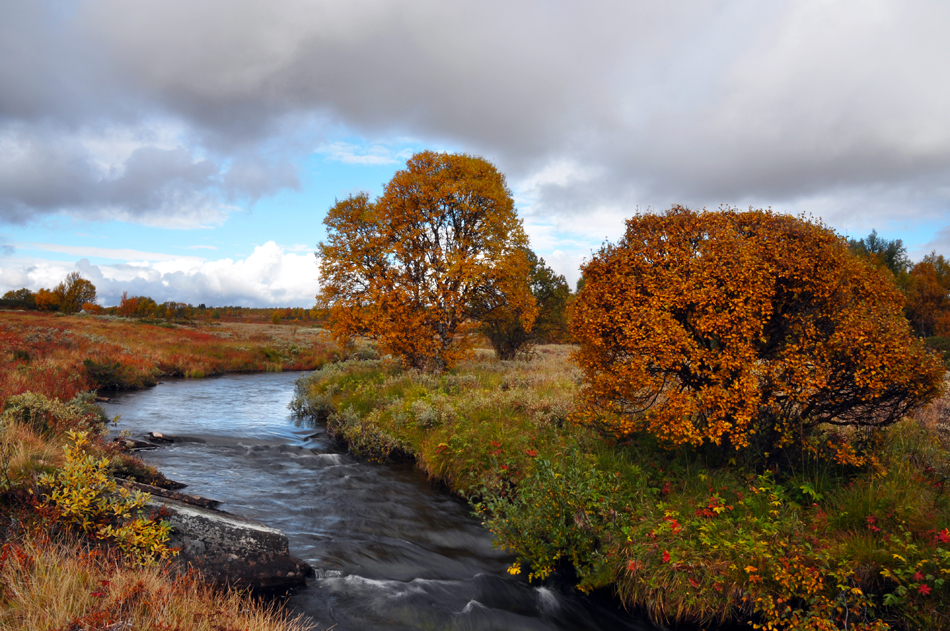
(232, 550)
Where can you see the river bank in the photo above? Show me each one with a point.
(684, 535)
(65, 561)
(390, 550)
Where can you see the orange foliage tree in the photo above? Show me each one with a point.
(46, 300)
(743, 329)
(440, 248)
(928, 296)
(73, 292)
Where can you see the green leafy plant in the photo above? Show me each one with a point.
(86, 496)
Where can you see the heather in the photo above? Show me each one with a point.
(60, 356)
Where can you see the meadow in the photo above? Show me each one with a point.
(77, 553)
(688, 535)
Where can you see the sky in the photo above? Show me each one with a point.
(189, 150)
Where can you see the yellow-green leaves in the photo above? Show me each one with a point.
(86, 496)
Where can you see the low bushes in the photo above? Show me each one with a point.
(84, 495)
(60, 357)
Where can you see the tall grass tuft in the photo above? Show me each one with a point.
(46, 585)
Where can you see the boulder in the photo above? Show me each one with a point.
(232, 550)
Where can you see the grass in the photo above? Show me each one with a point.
(52, 576)
(59, 585)
(60, 356)
(686, 535)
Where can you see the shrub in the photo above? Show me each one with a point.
(559, 512)
(53, 416)
(103, 374)
(745, 329)
(86, 496)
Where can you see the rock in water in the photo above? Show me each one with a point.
(233, 550)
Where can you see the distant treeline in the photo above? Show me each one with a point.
(76, 294)
(926, 285)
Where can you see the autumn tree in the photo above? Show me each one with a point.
(20, 299)
(415, 269)
(171, 310)
(745, 329)
(139, 306)
(72, 292)
(504, 328)
(928, 296)
(46, 300)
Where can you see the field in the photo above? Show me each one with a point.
(66, 562)
(62, 355)
(686, 535)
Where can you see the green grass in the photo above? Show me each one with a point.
(683, 535)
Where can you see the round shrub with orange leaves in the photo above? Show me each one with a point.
(743, 329)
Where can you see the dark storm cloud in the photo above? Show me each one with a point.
(795, 104)
(42, 174)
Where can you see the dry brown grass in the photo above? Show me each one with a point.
(23, 453)
(46, 586)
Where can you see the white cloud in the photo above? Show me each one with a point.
(352, 153)
(268, 277)
(120, 254)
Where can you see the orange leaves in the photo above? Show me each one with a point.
(743, 326)
(414, 268)
(928, 296)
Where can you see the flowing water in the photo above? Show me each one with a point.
(390, 551)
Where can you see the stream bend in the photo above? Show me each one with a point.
(390, 551)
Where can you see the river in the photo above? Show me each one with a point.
(391, 551)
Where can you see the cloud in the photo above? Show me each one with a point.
(940, 243)
(43, 172)
(122, 254)
(790, 104)
(353, 153)
(268, 277)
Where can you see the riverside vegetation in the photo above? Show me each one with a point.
(685, 534)
(747, 429)
(78, 550)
